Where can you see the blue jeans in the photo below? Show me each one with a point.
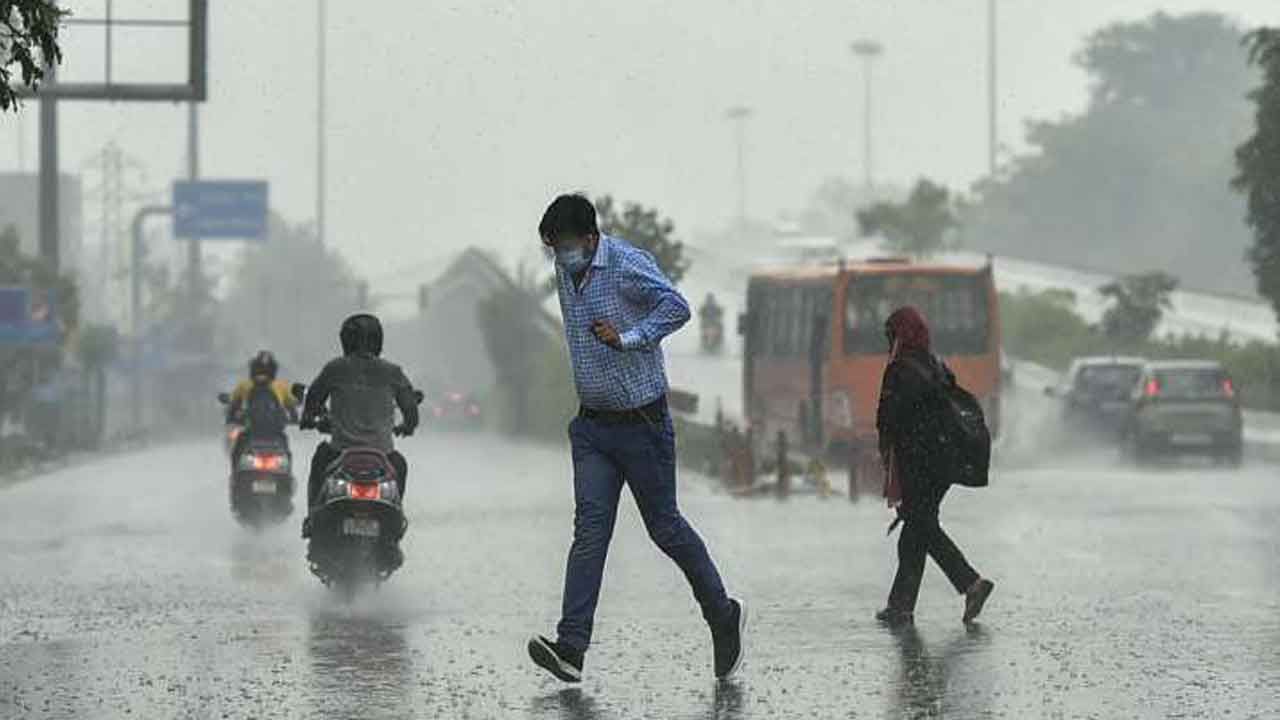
(643, 456)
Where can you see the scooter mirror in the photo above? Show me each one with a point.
(299, 391)
(224, 398)
(418, 397)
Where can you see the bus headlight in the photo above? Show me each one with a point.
(841, 409)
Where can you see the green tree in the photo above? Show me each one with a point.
(289, 295)
(1138, 303)
(97, 347)
(1144, 169)
(1258, 165)
(29, 40)
(645, 228)
(527, 362)
(917, 226)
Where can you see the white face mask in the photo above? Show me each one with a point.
(574, 258)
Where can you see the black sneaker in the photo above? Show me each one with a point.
(894, 617)
(975, 598)
(727, 640)
(556, 658)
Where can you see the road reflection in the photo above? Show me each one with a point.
(361, 666)
(568, 704)
(927, 685)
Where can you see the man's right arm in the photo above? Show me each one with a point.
(406, 401)
(317, 395)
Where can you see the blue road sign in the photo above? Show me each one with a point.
(27, 318)
(220, 209)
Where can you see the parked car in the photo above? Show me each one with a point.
(1095, 394)
(1186, 407)
(454, 409)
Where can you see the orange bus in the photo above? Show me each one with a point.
(815, 349)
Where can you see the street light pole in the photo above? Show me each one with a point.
(992, 134)
(320, 125)
(868, 50)
(739, 115)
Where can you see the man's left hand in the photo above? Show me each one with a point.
(607, 333)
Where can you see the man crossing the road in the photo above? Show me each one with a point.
(617, 307)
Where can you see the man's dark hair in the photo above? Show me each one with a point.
(568, 215)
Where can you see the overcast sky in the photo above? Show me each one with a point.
(454, 123)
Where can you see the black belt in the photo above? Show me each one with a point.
(651, 413)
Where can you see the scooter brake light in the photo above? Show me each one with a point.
(364, 491)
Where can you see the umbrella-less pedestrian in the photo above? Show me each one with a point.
(617, 307)
(911, 406)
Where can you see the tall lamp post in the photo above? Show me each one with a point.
(738, 115)
(868, 50)
(992, 134)
(320, 127)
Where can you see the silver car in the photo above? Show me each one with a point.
(1186, 407)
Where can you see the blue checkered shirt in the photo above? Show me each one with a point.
(625, 287)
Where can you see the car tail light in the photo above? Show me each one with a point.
(1228, 388)
(1152, 389)
(364, 491)
(473, 410)
(268, 462)
(437, 411)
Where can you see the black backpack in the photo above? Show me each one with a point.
(265, 415)
(965, 441)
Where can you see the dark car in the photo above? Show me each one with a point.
(455, 410)
(1186, 407)
(1095, 394)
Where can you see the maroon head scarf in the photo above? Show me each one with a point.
(908, 331)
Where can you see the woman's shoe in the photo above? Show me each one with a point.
(894, 617)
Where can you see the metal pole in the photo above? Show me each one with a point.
(868, 179)
(320, 119)
(48, 203)
(991, 87)
(868, 50)
(739, 115)
(195, 276)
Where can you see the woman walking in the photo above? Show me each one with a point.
(912, 403)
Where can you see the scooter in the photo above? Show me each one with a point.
(261, 484)
(358, 519)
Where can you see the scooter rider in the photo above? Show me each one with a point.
(362, 390)
(261, 403)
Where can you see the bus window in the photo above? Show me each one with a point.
(954, 305)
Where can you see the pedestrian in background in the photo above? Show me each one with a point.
(617, 307)
(909, 420)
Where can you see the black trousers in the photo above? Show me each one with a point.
(921, 536)
(326, 454)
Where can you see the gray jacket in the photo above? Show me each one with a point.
(363, 392)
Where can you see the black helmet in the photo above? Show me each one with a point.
(361, 333)
(264, 363)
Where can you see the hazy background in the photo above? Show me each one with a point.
(452, 124)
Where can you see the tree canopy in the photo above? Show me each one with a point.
(1138, 303)
(645, 228)
(916, 226)
(1143, 171)
(289, 295)
(1258, 165)
(28, 40)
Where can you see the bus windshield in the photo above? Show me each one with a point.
(954, 305)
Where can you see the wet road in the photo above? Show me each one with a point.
(127, 591)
